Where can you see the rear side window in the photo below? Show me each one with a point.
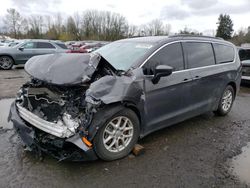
(170, 55)
(44, 45)
(61, 45)
(223, 53)
(199, 54)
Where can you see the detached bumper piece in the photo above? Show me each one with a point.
(39, 141)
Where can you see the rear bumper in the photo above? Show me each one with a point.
(76, 149)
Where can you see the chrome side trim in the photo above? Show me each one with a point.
(197, 68)
(58, 129)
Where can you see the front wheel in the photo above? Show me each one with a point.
(226, 101)
(6, 62)
(118, 136)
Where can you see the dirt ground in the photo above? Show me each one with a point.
(194, 153)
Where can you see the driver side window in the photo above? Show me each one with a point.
(29, 45)
(170, 55)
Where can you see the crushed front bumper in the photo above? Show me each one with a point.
(57, 129)
(28, 134)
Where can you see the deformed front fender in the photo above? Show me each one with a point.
(100, 118)
(112, 91)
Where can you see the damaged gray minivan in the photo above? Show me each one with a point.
(89, 106)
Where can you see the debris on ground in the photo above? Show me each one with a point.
(138, 150)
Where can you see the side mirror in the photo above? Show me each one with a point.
(21, 48)
(161, 71)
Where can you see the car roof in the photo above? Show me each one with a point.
(166, 39)
(42, 40)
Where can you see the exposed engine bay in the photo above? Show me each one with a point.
(64, 106)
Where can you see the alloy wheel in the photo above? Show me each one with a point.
(118, 134)
(227, 100)
(6, 62)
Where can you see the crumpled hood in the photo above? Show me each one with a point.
(63, 68)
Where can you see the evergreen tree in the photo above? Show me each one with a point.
(225, 27)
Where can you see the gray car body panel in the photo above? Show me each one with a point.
(22, 56)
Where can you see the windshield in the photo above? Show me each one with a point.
(123, 54)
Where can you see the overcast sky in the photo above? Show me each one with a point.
(200, 15)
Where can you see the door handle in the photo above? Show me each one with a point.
(187, 80)
(197, 77)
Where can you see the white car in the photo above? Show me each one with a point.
(245, 70)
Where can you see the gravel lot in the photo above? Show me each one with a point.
(195, 153)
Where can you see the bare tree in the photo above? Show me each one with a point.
(92, 24)
(167, 29)
(103, 25)
(77, 20)
(24, 27)
(155, 27)
(48, 22)
(132, 30)
(71, 28)
(36, 26)
(58, 23)
(13, 21)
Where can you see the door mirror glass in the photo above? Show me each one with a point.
(21, 48)
(161, 71)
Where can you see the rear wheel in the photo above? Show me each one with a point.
(226, 101)
(6, 62)
(118, 136)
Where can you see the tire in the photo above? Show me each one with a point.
(120, 138)
(6, 62)
(226, 101)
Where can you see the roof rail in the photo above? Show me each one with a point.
(190, 35)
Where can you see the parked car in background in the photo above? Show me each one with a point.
(91, 47)
(87, 47)
(244, 54)
(78, 44)
(85, 106)
(22, 52)
(69, 44)
(12, 44)
(5, 43)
